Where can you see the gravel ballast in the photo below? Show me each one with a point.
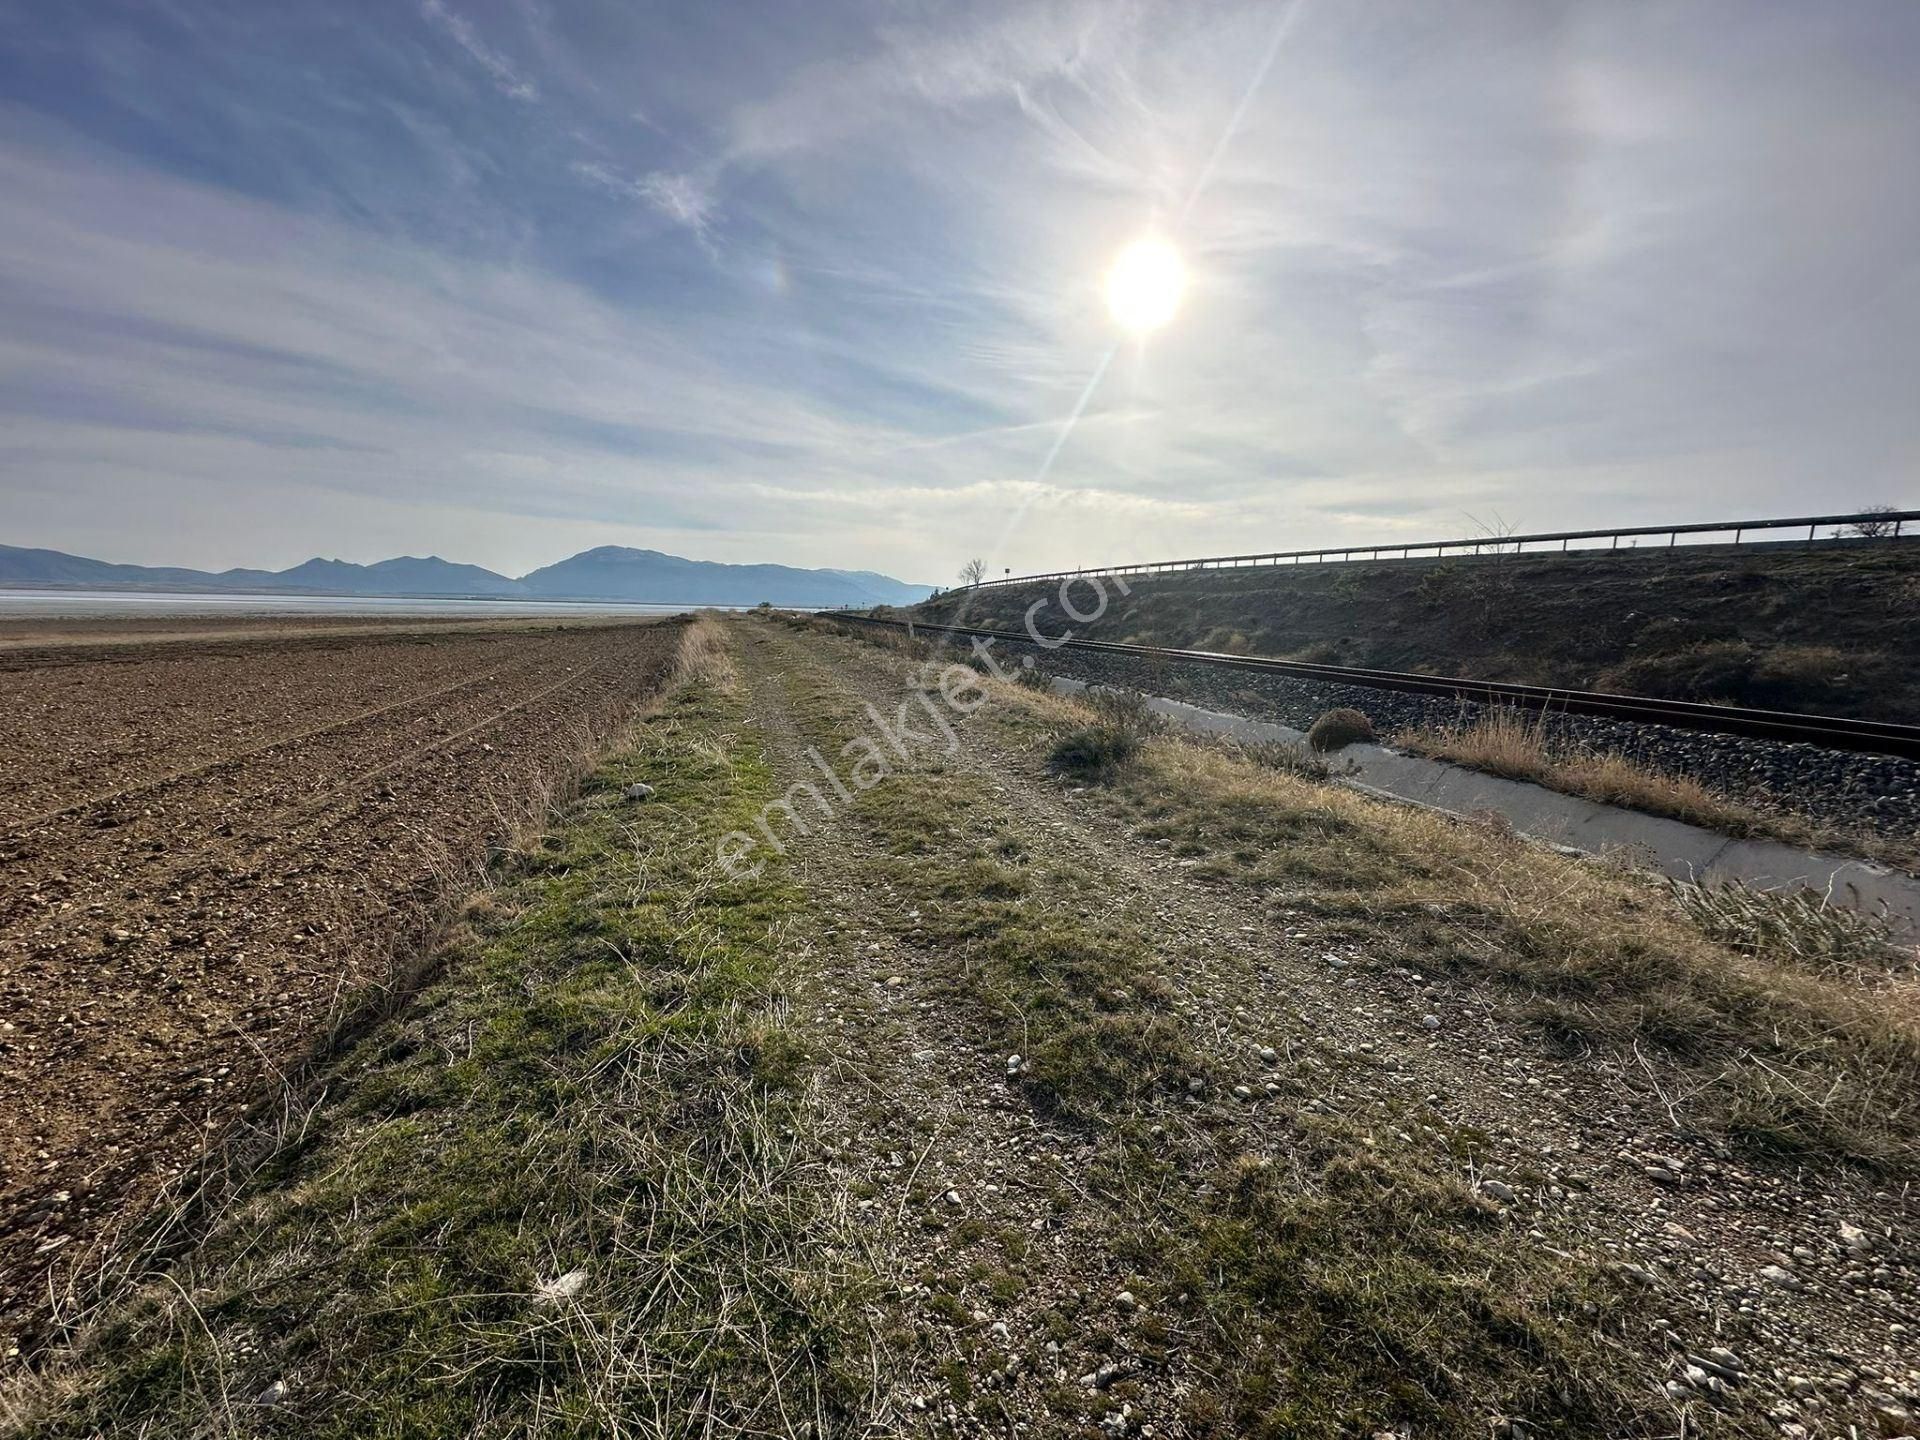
(1836, 788)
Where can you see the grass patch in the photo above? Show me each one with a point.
(1032, 677)
(1596, 955)
(1074, 997)
(1291, 757)
(1366, 1291)
(569, 1192)
(1121, 723)
(1007, 923)
(1800, 925)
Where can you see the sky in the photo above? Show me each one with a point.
(823, 283)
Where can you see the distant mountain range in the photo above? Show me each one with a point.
(609, 573)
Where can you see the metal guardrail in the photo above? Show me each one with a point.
(1882, 737)
(1889, 523)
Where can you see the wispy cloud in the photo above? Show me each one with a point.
(508, 80)
(683, 199)
(1566, 263)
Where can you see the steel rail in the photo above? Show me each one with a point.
(1893, 523)
(1881, 737)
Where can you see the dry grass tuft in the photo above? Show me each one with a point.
(1801, 925)
(1514, 744)
(704, 655)
(1122, 722)
(1034, 678)
(1291, 757)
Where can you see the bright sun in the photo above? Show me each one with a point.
(1145, 284)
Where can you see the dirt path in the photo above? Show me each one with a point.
(971, 1194)
(1000, 1223)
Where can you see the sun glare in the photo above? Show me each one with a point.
(1145, 284)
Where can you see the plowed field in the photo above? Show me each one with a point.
(207, 845)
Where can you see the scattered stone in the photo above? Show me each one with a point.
(1432, 1022)
(1707, 1366)
(1781, 1276)
(1499, 1190)
(1268, 1055)
(1242, 1092)
(273, 1394)
(1125, 1301)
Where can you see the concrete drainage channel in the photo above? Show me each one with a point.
(1670, 847)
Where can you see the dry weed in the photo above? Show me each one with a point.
(1515, 745)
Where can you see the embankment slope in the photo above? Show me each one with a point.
(1829, 628)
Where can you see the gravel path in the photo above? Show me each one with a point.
(1579, 1153)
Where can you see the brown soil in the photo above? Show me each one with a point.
(211, 850)
(35, 633)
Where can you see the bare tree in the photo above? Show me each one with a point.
(1876, 522)
(973, 572)
(1488, 584)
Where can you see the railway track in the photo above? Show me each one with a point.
(1877, 737)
